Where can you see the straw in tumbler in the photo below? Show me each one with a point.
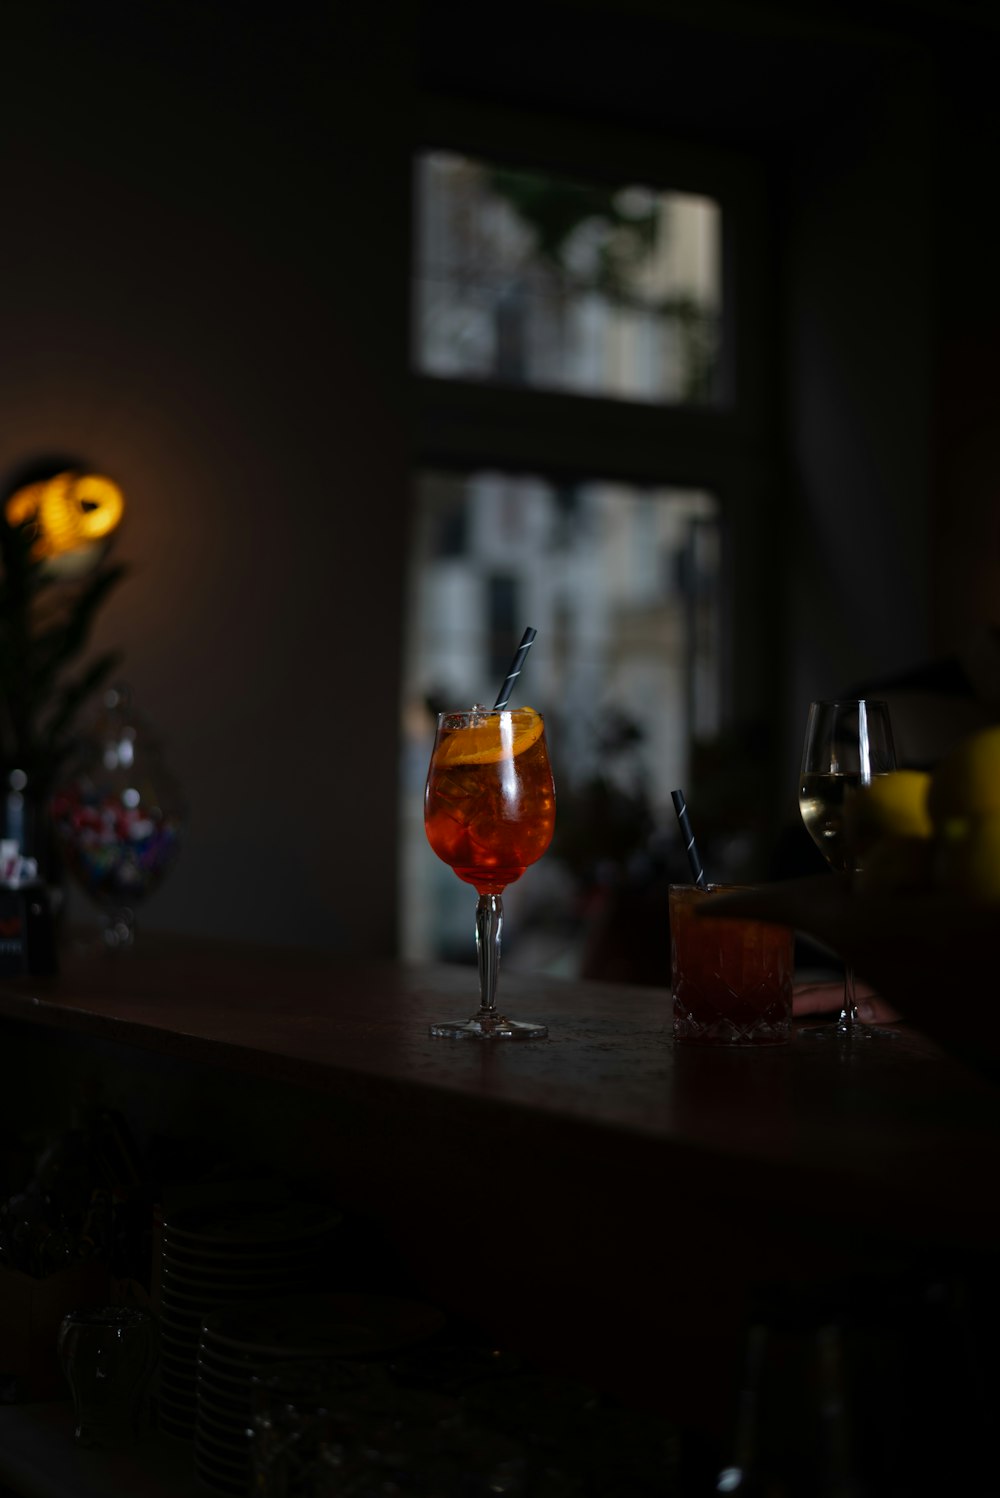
(680, 807)
(515, 669)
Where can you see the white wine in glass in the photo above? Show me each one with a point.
(847, 744)
(823, 800)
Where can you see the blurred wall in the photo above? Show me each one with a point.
(858, 384)
(892, 374)
(203, 290)
(201, 294)
(965, 507)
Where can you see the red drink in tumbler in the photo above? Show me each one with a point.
(731, 978)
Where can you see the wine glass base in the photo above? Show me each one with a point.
(118, 931)
(492, 1027)
(839, 1031)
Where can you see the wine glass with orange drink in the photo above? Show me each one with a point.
(489, 812)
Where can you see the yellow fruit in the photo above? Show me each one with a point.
(969, 864)
(966, 784)
(496, 737)
(897, 864)
(893, 804)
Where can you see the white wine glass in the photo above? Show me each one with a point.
(847, 744)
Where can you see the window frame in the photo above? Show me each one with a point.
(727, 446)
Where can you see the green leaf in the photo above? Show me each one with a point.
(56, 648)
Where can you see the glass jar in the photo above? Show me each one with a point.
(119, 815)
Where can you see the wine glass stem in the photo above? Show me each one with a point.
(489, 927)
(849, 1011)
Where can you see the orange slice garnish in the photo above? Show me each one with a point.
(486, 743)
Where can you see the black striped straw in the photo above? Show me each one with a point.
(515, 669)
(680, 807)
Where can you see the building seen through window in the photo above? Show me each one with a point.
(623, 585)
(552, 283)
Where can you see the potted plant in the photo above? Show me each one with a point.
(46, 620)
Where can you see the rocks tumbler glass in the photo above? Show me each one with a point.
(731, 978)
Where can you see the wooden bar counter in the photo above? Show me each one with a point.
(602, 1200)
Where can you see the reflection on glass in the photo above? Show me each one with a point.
(545, 282)
(624, 588)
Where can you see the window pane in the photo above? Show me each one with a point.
(544, 282)
(623, 586)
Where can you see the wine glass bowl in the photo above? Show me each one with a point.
(489, 813)
(847, 744)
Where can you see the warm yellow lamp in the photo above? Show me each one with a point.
(73, 513)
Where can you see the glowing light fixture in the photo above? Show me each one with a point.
(72, 512)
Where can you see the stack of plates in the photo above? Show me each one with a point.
(220, 1255)
(240, 1341)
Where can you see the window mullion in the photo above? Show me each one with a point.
(457, 424)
